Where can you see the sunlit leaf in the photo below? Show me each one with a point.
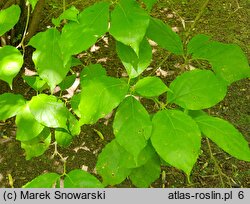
(176, 138)
(10, 105)
(81, 179)
(11, 61)
(8, 18)
(46, 180)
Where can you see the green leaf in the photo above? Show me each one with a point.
(8, 18)
(228, 60)
(132, 126)
(225, 135)
(163, 35)
(73, 125)
(11, 61)
(150, 87)
(109, 164)
(49, 111)
(37, 146)
(81, 179)
(10, 105)
(149, 3)
(92, 71)
(128, 160)
(129, 23)
(143, 176)
(74, 102)
(99, 97)
(36, 82)
(197, 89)
(92, 24)
(67, 82)
(69, 14)
(176, 138)
(75, 62)
(47, 180)
(27, 127)
(51, 64)
(133, 64)
(63, 138)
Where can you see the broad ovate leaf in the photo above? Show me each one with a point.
(225, 135)
(92, 24)
(81, 179)
(69, 14)
(150, 87)
(47, 180)
(8, 18)
(109, 164)
(49, 111)
(99, 96)
(36, 82)
(63, 138)
(197, 89)
(143, 176)
(176, 138)
(134, 64)
(27, 127)
(10, 105)
(11, 61)
(38, 145)
(132, 126)
(51, 64)
(163, 35)
(129, 23)
(228, 60)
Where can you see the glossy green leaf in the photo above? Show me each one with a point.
(10, 105)
(63, 138)
(11, 61)
(134, 64)
(69, 14)
(74, 102)
(81, 179)
(99, 97)
(51, 64)
(149, 3)
(163, 35)
(109, 164)
(197, 89)
(36, 82)
(92, 71)
(27, 127)
(67, 82)
(129, 23)
(176, 138)
(46, 180)
(132, 126)
(8, 18)
(143, 176)
(92, 24)
(49, 111)
(37, 146)
(225, 135)
(228, 60)
(150, 87)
